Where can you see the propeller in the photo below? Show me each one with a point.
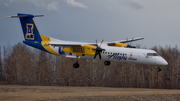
(98, 50)
(131, 41)
(129, 45)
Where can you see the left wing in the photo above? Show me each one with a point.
(64, 45)
(78, 48)
(60, 43)
(120, 43)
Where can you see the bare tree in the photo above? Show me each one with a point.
(1, 68)
(23, 65)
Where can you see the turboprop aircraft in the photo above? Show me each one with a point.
(107, 51)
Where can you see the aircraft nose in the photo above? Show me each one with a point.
(160, 61)
(163, 61)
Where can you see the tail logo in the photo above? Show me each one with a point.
(29, 34)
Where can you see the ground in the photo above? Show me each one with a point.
(59, 93)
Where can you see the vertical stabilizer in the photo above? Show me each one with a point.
(29, 28)
(30, 31)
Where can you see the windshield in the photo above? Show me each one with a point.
(152, 54)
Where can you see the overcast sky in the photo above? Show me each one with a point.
(158, 21)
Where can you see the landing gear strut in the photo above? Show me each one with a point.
(76, 64)
(107, 63)
(158, 69)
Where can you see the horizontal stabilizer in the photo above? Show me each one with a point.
(24, 16)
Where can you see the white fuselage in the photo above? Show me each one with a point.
(121, 54)
(130, 55)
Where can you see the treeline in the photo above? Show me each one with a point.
(23, 65)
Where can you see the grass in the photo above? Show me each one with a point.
(56, 93)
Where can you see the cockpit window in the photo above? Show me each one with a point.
(155, 54)
(149, 54)
(152, 54)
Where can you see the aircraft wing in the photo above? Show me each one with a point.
(71, 44)
(130, 40)
(78, 48)
(121, 43)
(65, 45)
(59, 43)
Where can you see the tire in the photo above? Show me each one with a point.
(107, 63)
(76, 65)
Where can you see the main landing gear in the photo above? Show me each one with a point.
(158, 69)
(76, 64)
(107, 63)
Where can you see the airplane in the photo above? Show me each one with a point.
(107, 51)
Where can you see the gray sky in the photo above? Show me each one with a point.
(158, 21)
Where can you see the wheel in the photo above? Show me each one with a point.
(158, 69)
(107, 63)
(76, 65)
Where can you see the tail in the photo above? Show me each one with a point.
(30, 31)
(29, 28)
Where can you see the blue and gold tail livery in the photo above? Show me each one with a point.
(32, 36)
(30, 31)
(29, 28)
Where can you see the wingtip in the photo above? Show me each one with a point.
(8, 17)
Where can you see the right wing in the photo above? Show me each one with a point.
(121, 43)
(130, 40)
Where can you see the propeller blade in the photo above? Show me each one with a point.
(98, 50)
(99, 55)
(101, 43)
(127, 40)
(131, 41)
(95, 55)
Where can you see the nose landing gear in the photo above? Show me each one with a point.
(107, 63)
(158, 69)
